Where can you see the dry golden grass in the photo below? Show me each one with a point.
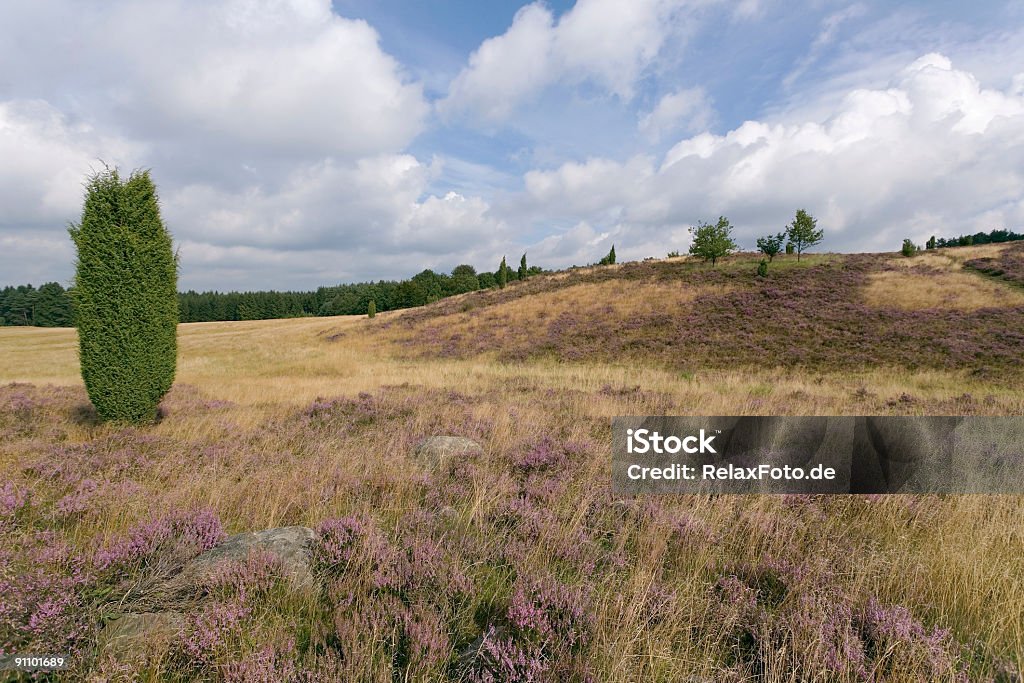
(941, 288)
(956, 562)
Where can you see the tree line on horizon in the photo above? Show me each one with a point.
(51, 304)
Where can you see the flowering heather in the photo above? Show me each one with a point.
(269, 664)
(519, 562)
(184, 534)
(550, 613)
(43, 586)
(1007, 265)
(12, 499)
(811, 317)
(211, 629)
(338, 541)
(255, 575)
(502, 660)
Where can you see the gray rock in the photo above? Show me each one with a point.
(292, 546)
(132, 636)
(436, 450)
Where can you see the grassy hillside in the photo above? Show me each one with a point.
(314, 422)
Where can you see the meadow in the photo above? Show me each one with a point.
(518, 563)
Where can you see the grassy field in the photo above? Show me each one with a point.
(521, 554)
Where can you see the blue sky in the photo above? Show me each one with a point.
(303, 142)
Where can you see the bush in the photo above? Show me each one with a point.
(909, 248)
(762, 268)
(125, 294)
(371, 309)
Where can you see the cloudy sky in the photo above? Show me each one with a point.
(302, 142)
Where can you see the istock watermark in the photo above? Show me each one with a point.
(867, 454)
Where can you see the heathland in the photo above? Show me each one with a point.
(518, 563)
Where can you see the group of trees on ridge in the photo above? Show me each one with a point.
(713, 241)
(50, 305)
(992, 237)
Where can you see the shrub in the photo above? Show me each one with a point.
(762, 268)
(502, 273)
(909, 248)
(770, 245)
(371, 309)
(125, 294)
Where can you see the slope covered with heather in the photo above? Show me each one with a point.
(517, 563)
(836, 312)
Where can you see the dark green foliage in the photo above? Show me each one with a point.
(371, 309)
(502, 273)
(993, 237)
(770, 245)
(712, 242)
(48, 306)
(803, 232)
(762, 268)
(524, 272)
(487, 280)
(930, 244)
(609, 259)
(673, 254)
(126, 306)
(909, 248)
(789, 248)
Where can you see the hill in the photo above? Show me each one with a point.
(518, 561)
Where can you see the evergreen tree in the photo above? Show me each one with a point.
(609, 259)
(126, 305)
(762, 268)
(371, 309)
(524, 272)
(930, 244)
(502, 274)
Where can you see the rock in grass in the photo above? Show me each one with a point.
(132, 636)
(436, 450)
(290, 545)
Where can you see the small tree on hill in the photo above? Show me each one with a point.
(930, 244)
(762, 268)
(909, 248)
(712, 242)
(125, 294)
(371, 309)
(609, 259)
(770, 245)
(502, 274)
(803, 232)
(524, 272)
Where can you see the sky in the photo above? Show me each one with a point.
(299, 143)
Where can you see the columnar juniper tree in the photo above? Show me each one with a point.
(125, 294)
(502, 273)
(608, 260)
(524, 272)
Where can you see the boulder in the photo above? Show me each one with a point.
(436, 450)
(291, 545)
(131, 636)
